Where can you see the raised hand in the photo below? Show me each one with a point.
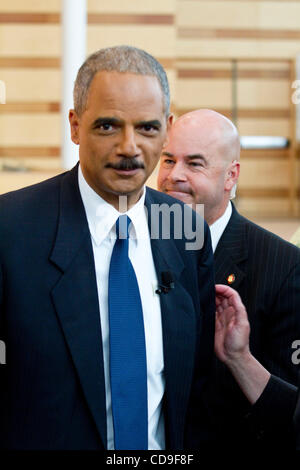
(232, 343)
(232, 328)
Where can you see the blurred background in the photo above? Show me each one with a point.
(238, 57)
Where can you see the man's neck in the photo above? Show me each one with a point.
(215, 216)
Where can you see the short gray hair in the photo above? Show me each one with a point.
(118, 59)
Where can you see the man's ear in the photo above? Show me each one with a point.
(170, 121)
(74, 126)
(232, 175)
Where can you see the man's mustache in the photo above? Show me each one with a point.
(126, 164)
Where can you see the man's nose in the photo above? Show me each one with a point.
(177, 173)
(128, 146)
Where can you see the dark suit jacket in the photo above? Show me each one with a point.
(297, 419)
(52, 392)
(267, 277)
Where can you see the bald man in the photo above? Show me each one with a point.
(200, 165)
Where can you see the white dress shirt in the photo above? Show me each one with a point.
(101, 218)
(218, 227)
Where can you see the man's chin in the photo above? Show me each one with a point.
(128, 184)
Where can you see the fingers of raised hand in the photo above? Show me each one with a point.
(225, 314)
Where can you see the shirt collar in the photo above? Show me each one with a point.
(102, 216)
(218, 227)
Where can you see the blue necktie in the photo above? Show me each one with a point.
(128, 368)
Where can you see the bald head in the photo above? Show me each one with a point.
(207, 127)
(201, 161)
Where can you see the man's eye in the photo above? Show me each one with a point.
(196, 164)
(106, 127)
(168, 162)
(148, 129)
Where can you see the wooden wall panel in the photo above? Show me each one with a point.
(220, 48)
(203, 93)
(30, 18)
(273, 127)
(264, 199)
(274, 15)
(30, 6)
(264, 207)
(215, 14)
(279, 15)
(15, 180)
(253, 173)
(158, 40)
(23, 84)
(28, 151)
(38, 130)
(32, 40)
(42, 163)
(253, 92)
(133, 6)
(17, 62)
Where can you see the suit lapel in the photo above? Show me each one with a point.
(76, 300)
(231, 252)
(179, 333)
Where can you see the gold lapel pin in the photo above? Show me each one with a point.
(231, 278)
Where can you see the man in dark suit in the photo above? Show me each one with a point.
(62, 254)
(200, 165)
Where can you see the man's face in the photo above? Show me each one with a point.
(120, 133)
(192, 169)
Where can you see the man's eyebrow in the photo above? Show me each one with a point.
(152, 122)
(193, 156)
(196, 156)
(167, 154)
(105, 120)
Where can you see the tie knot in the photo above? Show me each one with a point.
(122, 227)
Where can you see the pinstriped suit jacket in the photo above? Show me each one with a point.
(266, 273)
(297, 419)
